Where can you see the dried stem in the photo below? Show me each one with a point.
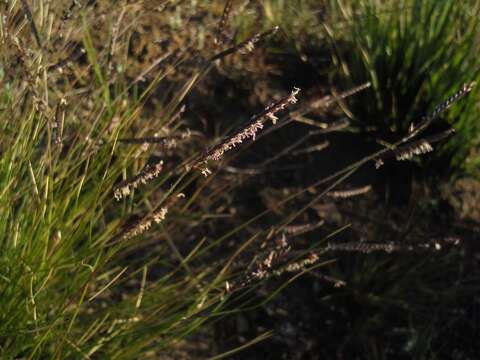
(113, 42)
(219, 33)
(245, 46)
(28, 14)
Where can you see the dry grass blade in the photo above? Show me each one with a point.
(110, 283)
(219, 33)
(158, 61)
(285, 151)
(245, 46)
(228, 354)
(28, 14)
(329, 100)
(319, 147)
(75, 54)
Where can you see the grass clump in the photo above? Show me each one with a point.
(124, 230)
(110, 242)
(413, 52)
(77, 280)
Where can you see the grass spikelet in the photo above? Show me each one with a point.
(344, 194)
(297, 266)
(271, 110)
(157, 216)
(439, 109)
(248, 45)
(58, 122)
(264, 264)
(388, 247)
(420, 148)
(148, 173)
(296, 230)
(256, 123)
(362, 247)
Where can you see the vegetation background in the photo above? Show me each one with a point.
(239, 179)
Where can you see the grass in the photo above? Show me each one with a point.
(126, 226)
(69, 289)
(413, 52)
(82, 274)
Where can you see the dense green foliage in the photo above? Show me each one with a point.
(413, 52)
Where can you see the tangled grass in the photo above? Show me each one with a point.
(112, 244)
